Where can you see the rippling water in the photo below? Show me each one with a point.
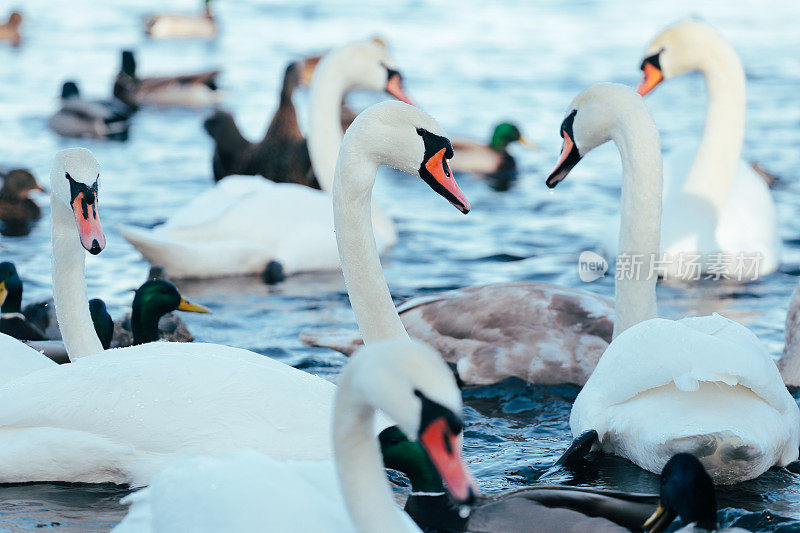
(469, 66)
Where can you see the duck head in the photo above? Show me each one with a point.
(687, 491)
(19, 183)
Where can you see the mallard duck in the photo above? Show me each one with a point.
(180, 26)
(151, 318)
(101, 119)
(10, 30)
(281, 156)
(190, 90)
(488, 159)
(687, 491)
(17, 211)
(12, 321)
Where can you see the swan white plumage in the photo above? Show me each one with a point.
(252, 492)
(243, 223)
(702, 385)
(18, 359)
(719, 204)
(121, 415)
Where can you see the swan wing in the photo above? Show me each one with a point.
(121, 415)
(18, 359)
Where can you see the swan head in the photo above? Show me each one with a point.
(676, 50)
(74, 183)
(686, 491)
(406, 138)
(590, 121)
(368, 65)
(409, 381)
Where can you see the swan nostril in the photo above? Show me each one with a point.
(95, 249)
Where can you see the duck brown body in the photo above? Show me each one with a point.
(17, 211)
(281, 156)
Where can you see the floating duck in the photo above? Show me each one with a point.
(188, 90)
(488, 159)
(100, 119)
(151, 318)
(281, 156)
(12, 321)
(179, 26)
(18, 212)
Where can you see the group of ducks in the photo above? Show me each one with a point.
(717, 393)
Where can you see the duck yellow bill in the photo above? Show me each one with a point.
(444, 450)
(188, 306)
(3, 292)
(658, 521)
(529, 144)
(652, 77)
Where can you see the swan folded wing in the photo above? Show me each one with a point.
(242, 491)
(156, 402)
(684, 353)
(18, 359)
(536, 332)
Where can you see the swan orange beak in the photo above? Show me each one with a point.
(442, 181)
(652, 77)
(566, 161)
(651, 67)
(394, 86)
(444, 449)
(91, 232)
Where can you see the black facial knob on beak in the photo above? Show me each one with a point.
(95, 249)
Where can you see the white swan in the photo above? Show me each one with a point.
(252, 492)
(121, 415)
(701, 385)
(18, 359)
(719, 204)
(538, 332)
(244, 223)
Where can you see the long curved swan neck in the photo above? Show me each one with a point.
(361, 265)
(325, 134)
(69, 285)
(358, 460)
(720, 148)
(639, 237)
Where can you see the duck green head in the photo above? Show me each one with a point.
(10, 288)
(406, 456)
(154, 299)
(686, 491)
(103, 323)
(506, 133)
